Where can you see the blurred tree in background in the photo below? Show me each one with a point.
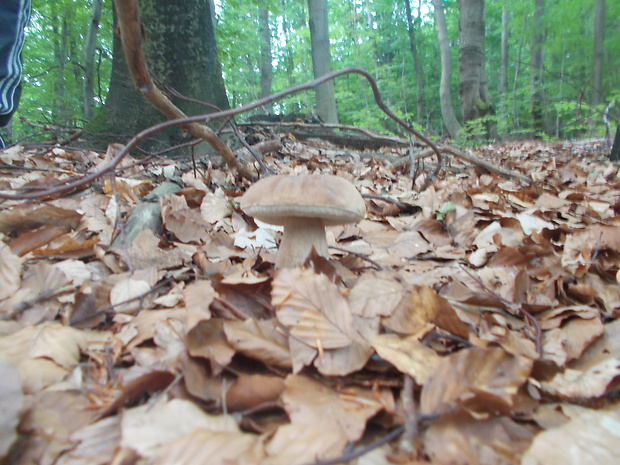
(560, 91)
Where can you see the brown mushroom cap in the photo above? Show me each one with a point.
(277, 199)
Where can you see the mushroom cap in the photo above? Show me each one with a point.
(277, 199)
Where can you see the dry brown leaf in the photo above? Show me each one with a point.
(408, 355)
(147, 427)
(482, 381)
(592, 375)
(340, 411)
(94, 444)
(591, 437)
(207, 339)
(215, 207)
(251, 390)
(126, 295)
(215, 447)
(31, 240)
(11, 400)
(299, 444)
(462, 440)
(260, 340)
(375, 294)
(312, 308)
(185, 223)
(198, 297)
(420, 306)
(30, 216)
(46, 426)
(145, 252)
(561, 345)
(42, 354)
(10, 270)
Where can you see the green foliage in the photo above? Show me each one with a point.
(371, 34)
(53, 71)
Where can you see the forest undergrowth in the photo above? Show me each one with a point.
(472, 322)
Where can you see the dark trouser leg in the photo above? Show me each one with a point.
(14, 15)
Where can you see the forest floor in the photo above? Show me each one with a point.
(473, 322)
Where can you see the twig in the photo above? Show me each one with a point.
(410, 433)
(364, 450)
(205, 118)
(359, 255)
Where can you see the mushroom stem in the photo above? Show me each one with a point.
(300, 235)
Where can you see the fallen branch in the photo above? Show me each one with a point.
(491, 168)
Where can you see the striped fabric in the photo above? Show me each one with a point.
(14, 16)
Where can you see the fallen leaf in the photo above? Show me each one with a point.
(11, 400)
(481, 381)
(591, 437)
(343, 412)
(462, 440)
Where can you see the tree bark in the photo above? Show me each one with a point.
(419, 78)
(180, 50)
(445, 90)
(597, 64)
(536, 92)
(475, 99)
(90, 47)
(266, 69)
(503, 71)
(321, 60)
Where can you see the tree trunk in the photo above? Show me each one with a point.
(475, 100)
(180, 51)
(321, 60)
(90, 47)
(503, 71)
(266, 69)
(597, 64)
(536, 92)
(445, 90)
(60, 114)
(416, 63)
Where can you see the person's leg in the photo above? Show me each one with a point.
(14, 16)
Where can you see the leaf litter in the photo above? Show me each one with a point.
(142, 319)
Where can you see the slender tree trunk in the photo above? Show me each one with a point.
(90, 48)
(445, 90)
(321, 60)
(515, 109)
(474, 92)
(290, 62)
(180, 50)
(266, 68)
(536, 92)
(61, 48)
(597, 65)
(411, 26)
(503, 71)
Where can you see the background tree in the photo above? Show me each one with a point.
(474, 92)
(266, 70)
(371, 34)
(181, 52)
(321, 60)
(445, 92)
(419, 77)
(597, 62)
(536, 63)
(90, 49)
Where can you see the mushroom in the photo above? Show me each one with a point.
(304, 205)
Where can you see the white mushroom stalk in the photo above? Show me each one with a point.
(300, 235)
